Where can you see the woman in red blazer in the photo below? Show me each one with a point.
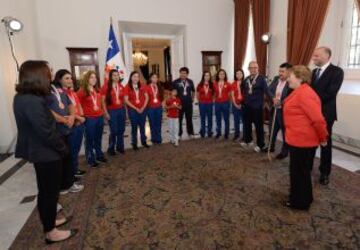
(305, 131)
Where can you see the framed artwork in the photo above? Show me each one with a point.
(211, 61)
(81, 61)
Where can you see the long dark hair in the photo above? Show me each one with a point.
(109, 87)
(211, 84)
(243, 75)
(59, 75)
(160, 88)
(130, 83)
(218, 73)
(34, 78)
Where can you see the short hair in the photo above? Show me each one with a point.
(327, 50)
(184, 69)
(286, 65)
(34, 78)
(302, 72)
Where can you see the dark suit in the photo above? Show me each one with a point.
(279, 122)
(40, 143)
(327, 87)
(253, 110)
(186, 103)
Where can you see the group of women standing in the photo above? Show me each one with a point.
(222, 94)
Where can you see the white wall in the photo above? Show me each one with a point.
(26, 47)
(81, 24)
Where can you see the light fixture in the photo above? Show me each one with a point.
(139, 58)
(265, 38)
(12, 24)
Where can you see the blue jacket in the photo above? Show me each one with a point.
(256, 98)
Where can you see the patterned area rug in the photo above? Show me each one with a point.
(206, 194)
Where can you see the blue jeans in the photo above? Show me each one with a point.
(237, 120)
(75, 140)
(206, 114)
(222, 111)
(117, 129)
(137, 120)
(155, 119)
(93, 136)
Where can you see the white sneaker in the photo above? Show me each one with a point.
(243, 144)
(251, 144)
(257, 149)
(176, 144)
(76, 188)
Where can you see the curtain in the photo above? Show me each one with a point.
(261, 20)
(357, 2)
(242, 15)
(305, 22)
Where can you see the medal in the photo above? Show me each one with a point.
(155, 91)
(117, 91)
(61, 105)
(93, 98)
(136, 90)
(185, 85)
(251, 84)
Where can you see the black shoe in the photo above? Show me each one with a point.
(102, 160)
(145, 145)
(289, 205)
(217, 136)
(226, 137)
(73, 232)
(236, 138)
(94, 165)
(281, 156)
(324, 179)
(80, 173)
(210, 135)
(121, 151)
(135, 147)
(77, 179)
(111, 152)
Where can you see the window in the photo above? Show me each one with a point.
(353, 60)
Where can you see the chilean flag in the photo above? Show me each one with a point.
(114, 59)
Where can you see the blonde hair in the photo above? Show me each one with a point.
(85, 81)
(302, 72)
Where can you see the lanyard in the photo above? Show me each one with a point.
(155, 90)
(58, 97)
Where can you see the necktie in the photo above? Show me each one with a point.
(317, 76)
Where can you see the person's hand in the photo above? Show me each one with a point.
(81, 119)
(70, 120)
(107, 116)
(323, 144)
(276, 102)
(140, 110)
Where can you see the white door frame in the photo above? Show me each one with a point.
(176, 49)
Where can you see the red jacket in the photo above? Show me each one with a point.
(305, 125)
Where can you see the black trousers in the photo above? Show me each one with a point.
(186, 110)
(278, 125)
(326, 152)
(301, 162)
(67, 170)
(250, 116)
(48, 176)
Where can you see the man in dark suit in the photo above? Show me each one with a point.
(279, 88)
(326, 81)
(186, 92)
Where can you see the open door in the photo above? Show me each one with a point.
(177, 54)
